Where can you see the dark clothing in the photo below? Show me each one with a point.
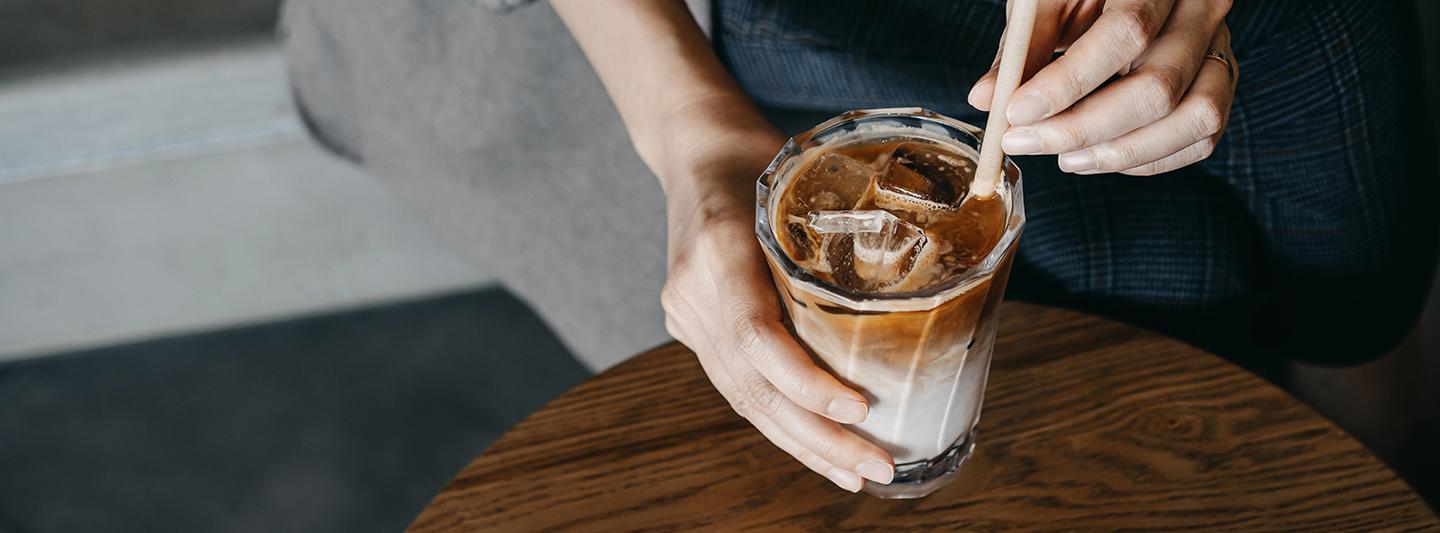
(1306, 236)
(1309, 234)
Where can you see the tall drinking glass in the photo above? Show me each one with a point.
(920, 356)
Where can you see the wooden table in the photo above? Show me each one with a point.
(1088, 424)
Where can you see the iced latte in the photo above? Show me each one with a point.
(891, 273)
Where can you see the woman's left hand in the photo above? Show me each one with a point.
(1168, 108)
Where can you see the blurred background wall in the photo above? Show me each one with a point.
(155, 179)
(31, 30)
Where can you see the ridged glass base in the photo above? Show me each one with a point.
(920, 478)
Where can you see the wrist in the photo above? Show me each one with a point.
(705, 139)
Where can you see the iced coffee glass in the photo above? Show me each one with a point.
(891, 275)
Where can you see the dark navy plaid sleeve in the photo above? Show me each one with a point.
(1305, 236)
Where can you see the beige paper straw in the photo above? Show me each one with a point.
(1012, 66)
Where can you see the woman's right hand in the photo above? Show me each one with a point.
(720, 301)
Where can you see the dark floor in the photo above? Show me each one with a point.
(347, 422)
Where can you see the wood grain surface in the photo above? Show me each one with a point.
(1088, 425)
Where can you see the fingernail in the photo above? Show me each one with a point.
(1078, 161)
(1028, 110)
(877, 471)
(845, 479)
(847, 411)
(974, 94)
(1021, 142)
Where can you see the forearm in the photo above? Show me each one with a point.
(659, 69)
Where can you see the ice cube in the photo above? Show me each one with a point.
(867, 250)
(827, 222)
(834, 182)
(922, 178)
(802, 243)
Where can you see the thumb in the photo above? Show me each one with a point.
(983, 91)
(1048, 19)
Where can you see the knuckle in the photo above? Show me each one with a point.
(760, 395)
(672, 296)
(1164, 88)
(807, 457)
(1118, 156)
(1065, 138)
(741, 406)
(1209, 118)
(1072, 83)
(669, 297)
(1142, 170)
(748, 326)
(678, 278)
(1134, 28)
(680, 263)
(1206, 149)
(830, 447)
(682, 279)
(800, 387)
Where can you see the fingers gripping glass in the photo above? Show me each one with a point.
(852, 279)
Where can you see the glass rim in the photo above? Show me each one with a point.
(920, 300)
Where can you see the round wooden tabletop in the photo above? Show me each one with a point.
(1088, 424)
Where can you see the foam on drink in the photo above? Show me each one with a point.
(921, 184)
